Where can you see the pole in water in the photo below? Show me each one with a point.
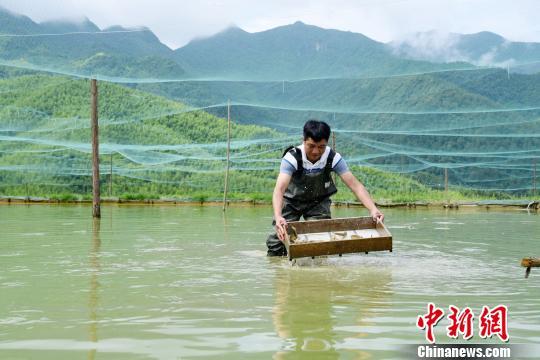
(228, 154)
(96, 209)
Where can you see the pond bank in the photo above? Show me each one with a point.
(525, 204)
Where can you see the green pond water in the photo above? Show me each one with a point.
(171, 282)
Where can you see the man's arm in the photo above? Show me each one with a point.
(282, 182)
(361, 194)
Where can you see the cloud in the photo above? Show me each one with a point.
(439, 46)
(432, 45)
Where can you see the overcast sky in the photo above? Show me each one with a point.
(177, 22)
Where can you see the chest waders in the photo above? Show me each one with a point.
(308, 187)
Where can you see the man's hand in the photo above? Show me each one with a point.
(281, 228)
(377, 216)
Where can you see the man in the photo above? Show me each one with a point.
(304, 185)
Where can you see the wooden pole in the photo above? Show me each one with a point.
(334, 147)
(228, 154)
(96, 209)
(528, 263)
(110, 178)
(534, 178)
(446, 180)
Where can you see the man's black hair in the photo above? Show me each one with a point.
(316, 130)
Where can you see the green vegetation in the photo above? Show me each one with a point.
(159, 148)
(411, 120)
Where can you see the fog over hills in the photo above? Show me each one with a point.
(483, 49)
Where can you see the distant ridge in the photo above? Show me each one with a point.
(64, 26)
(291, 52)
(483, 48)
(295, 51)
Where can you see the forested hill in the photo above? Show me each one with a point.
(482, 89)
(154, 146)
(289, 52)
(390, 113)
(82, 48)
(57, 107)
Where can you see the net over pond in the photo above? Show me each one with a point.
(412, 126)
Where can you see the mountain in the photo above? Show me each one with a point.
(483, 48)
(11, 23)
(128, 67)
(449, 91)
(389, 112)
(154, 147)
(292, 52)
(160, 148)
(81, 42)
(64, 26)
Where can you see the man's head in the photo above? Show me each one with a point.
(316, 135)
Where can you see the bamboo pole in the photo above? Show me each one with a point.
(110, 178)
(534, 178)
(228, 155)
(334, 147)
(96, 209)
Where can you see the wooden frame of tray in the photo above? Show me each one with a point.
(298, 249)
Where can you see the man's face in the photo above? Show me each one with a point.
(314, 149)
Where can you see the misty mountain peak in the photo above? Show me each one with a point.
(12, 23)
(232, 30)
(70, 25)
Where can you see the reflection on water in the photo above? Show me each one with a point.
(94, 284)
(311, 304)
(169, 282)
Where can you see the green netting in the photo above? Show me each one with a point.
(163, 127)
